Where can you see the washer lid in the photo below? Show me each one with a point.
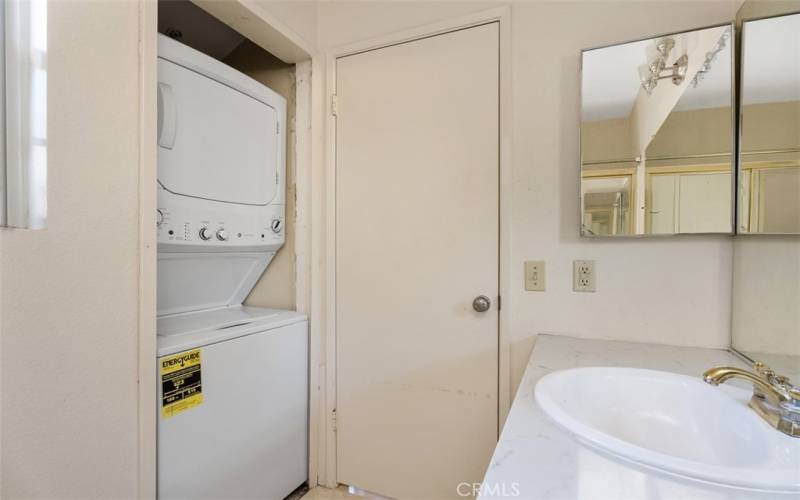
(215, 142)
(181, 332)
(215, 319)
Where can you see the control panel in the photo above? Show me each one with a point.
(191, 224)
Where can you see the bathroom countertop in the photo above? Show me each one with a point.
(534, 459)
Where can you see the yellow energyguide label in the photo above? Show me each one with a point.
(181, 382)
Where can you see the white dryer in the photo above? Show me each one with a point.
(233, 380)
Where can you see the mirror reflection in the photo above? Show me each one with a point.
(769, 183)
(657, 135)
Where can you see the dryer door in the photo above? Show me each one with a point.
(214, 142)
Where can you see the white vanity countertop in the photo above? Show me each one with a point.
(536, 460)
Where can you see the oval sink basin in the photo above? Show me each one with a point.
(672, 423)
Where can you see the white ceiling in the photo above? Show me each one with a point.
(611, 82)
(714, 91)
(771, 60)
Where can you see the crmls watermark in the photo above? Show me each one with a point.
(488, 489)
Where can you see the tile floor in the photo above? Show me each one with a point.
(340, 493)
(320, 493)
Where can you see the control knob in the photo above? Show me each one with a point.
(276, 225)
(222, 235)
(159, 217)
(205, 233)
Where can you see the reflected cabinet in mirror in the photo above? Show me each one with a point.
(769, 175)
(657, 135)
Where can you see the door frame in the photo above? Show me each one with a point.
(146, 315)
(327, 320)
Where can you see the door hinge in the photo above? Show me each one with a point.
(277, 127)
(499, 302)
(334, 105)
(333, 420)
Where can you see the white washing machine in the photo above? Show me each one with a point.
(247, 437)
(233, 380)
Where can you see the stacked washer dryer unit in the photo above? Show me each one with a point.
(233, 383)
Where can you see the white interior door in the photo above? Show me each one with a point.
(417, 175)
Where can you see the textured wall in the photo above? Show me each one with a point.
(69, 292)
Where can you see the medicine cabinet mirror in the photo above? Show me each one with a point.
(657, 135)
(769, 173)
(765, 321)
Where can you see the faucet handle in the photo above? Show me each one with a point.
(784, 383)
(762, 369)
(780, 382)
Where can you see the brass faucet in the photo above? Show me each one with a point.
(775, 399)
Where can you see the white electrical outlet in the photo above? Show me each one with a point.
(534, 275)
(583, 276)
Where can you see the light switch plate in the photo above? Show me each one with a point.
(583, 276)
(534, 275)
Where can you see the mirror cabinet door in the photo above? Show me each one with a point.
(769, 172)
(657, 135)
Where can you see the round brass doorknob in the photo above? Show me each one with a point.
(481, 303)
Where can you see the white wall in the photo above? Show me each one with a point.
(298, 16)
(68, 295)
(766, 298)
(674, 290)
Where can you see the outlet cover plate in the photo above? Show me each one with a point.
(584, 278)
(534, 276)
